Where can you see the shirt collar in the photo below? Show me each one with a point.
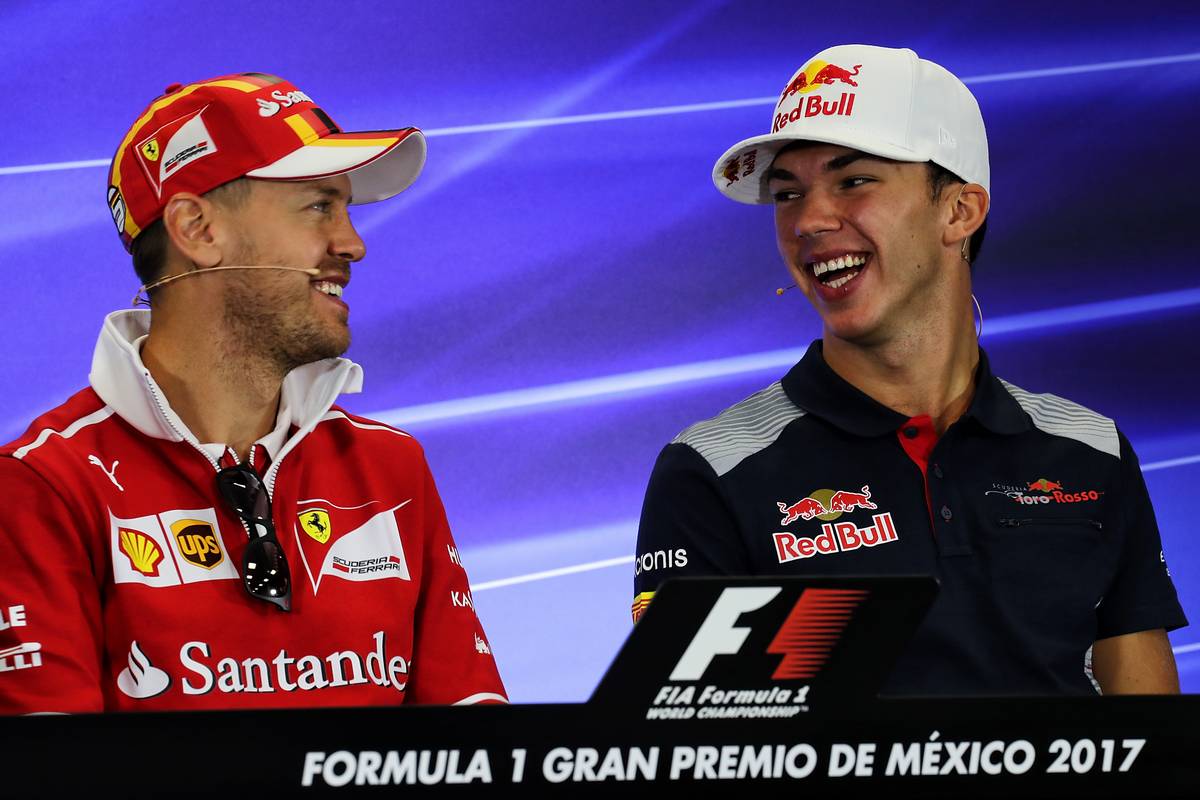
(993, 405)
(815, 387)
(123, 382)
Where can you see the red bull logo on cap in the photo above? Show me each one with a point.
(740, 166)
(816, 75)
(840, 537)
(826, 505)
(815, 107)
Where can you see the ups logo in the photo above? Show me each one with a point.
(198, 542)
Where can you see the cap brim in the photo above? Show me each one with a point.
(749, 187)
(380, 164)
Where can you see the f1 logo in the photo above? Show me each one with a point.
(805, 640)
(718, 635)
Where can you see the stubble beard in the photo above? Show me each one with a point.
(269, 319)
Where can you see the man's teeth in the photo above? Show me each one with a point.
(328, 287)
(841, 262)
(842, 280)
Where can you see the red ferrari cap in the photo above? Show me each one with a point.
(196, 137)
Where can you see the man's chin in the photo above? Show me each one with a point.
(859, 332)
(337, 348)
(317, 349)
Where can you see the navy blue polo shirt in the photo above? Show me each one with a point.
(1030, 510)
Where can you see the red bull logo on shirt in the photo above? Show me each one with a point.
(806, 509)
(840, 537)
(826, 505)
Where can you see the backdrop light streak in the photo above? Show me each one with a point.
(666, 377)
(581, 92)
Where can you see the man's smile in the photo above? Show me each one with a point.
(332, 285)
(832, 274)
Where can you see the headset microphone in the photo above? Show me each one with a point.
(139, 300)
(783, 289)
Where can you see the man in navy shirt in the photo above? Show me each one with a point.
(891, 448)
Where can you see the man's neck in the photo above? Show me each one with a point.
(930, 370)
(224, 394)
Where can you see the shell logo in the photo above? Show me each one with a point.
(141, 551)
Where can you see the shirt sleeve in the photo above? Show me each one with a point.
(687, 526)
(452, 658)
(1142, 596)
(50, 624)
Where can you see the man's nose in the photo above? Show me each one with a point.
(817, 214)
(346, 244)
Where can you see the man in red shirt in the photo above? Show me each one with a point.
(202, 527)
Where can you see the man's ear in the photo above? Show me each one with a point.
(969, 210)
(189, 220)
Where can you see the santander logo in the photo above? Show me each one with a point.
(141, 679)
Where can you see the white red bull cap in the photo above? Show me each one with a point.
(881, 100)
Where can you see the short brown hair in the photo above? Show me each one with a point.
(149, 249)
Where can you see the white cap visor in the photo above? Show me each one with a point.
(380, 164)
(759, 151)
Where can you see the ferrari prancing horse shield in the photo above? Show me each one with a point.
(316, 524)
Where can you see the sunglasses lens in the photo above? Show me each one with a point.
(265, 572)
(241, 488)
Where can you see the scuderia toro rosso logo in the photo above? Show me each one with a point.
(1043, 491)
(804, 641)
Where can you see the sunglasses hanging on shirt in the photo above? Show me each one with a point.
(265, 572)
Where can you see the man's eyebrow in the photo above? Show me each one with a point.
(832, 165)
(846, 159)
(328, 191)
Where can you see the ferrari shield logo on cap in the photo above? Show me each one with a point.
(316, 524)
(186, 139)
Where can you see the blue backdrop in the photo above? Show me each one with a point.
(564, 290)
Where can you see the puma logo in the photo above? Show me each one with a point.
(111, 473)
